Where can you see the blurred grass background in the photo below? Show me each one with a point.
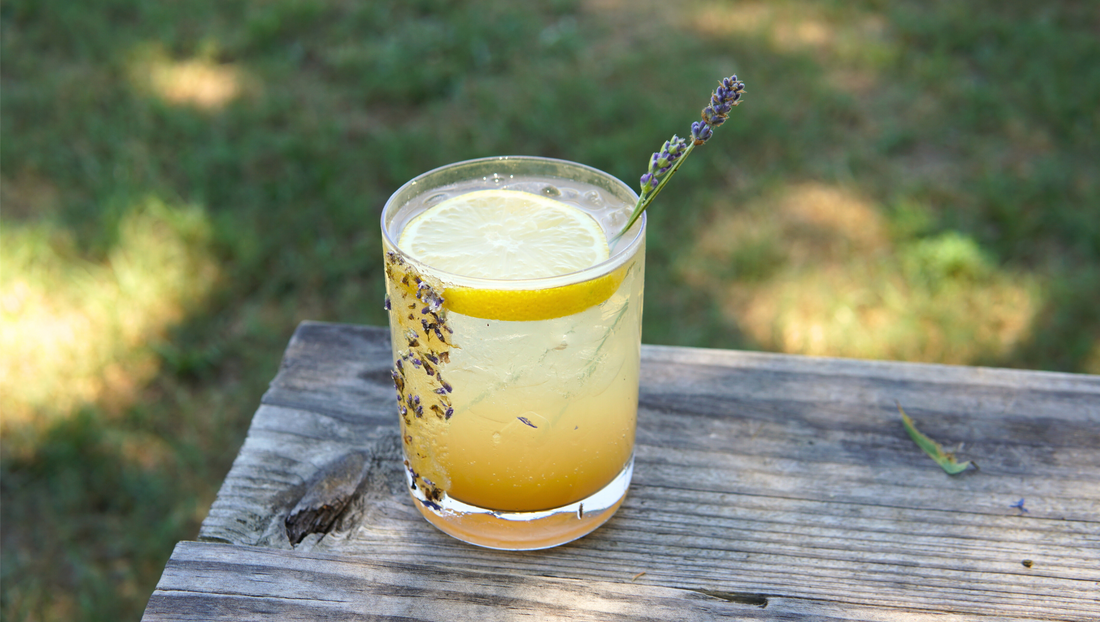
(183, 182)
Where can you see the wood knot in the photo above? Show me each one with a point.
(327, 495)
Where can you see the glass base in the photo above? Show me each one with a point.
(524, 531)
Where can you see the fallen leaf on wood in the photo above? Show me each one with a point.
(943, 458)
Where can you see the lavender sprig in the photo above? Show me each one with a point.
(664, 164)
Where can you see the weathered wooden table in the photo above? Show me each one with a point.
(766, 487)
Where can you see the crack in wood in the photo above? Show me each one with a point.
(742, 598)
(311, 598)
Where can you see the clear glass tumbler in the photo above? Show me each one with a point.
(518, 398)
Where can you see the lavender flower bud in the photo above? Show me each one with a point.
(724, 98)
(712, 117)
(700, 132)
(662, 161)
(671, 150)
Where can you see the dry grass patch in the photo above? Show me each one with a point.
(812, 270)
(791, 27)
(199, 82)
(77, 332)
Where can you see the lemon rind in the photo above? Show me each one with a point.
(532, 305)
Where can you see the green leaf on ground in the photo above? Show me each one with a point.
(945, 459)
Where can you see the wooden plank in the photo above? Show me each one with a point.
(312, 586)
(205, 582)
(788, 478)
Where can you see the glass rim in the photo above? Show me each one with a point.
(625, 251)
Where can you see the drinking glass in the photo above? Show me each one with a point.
(517, 397)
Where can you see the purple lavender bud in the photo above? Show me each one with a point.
(676, 147)
(700, 132)
(730, 89)
(435, 303)
(711, 117)
(724, 98)
(662, 161)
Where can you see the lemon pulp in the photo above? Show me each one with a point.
(508, 234)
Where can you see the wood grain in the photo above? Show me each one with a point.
(218, 581)
(760, 479)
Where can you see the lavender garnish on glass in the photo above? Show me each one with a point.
(667, 161)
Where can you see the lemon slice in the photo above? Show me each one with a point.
(505, 234)
(508, 234)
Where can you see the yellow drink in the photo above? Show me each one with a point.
(518, 396)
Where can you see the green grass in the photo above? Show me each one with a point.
(182, 183)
